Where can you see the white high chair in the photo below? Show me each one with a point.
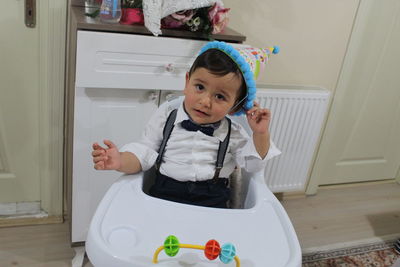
(129, 225)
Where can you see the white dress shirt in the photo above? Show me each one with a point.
(191, 156)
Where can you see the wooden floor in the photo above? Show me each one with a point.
(334, 217)
(346, 216)
(38, 245)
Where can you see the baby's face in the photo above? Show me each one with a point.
(208, 97)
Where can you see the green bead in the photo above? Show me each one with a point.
(171, 245)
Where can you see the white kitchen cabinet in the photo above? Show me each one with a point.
(121, 79)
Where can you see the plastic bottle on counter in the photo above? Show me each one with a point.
(110, 11)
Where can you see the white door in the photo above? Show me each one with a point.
(27, 145)
(19, 106)
(361, 140)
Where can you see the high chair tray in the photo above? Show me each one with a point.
(130, 225)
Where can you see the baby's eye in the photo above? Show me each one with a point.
(199, 87)
(219, 97)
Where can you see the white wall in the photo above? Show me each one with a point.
(312, 35)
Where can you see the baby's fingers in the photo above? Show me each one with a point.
(254, 114)
(100, 158)
(96, 153)
(96, 146)
(251, 112)
(109, 144)
(99, 165)
(265, 113)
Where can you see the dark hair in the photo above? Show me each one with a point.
(220, 64)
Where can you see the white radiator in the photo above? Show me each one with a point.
(297, 117)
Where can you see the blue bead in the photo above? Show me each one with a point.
(228, 253)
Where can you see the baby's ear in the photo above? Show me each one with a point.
(187, 77)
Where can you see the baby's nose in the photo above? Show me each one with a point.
(206, 100)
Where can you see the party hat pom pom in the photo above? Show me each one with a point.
(248, 76)
(251, 83)
(249, 105)
(171, 245)
(229, 49)
(240, 61)
(276, 49)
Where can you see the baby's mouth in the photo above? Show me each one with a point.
(201, 112)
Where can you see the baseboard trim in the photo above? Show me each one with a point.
(290, 195)
(355, 184)
(9, 222)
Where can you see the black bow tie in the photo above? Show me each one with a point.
(190, 126)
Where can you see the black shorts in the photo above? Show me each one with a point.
(208, 193)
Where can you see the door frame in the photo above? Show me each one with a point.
(52, 24)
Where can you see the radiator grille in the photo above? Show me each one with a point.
(297, 118)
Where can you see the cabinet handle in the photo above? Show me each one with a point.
(153, 96)
(169, 67)
(30, 13)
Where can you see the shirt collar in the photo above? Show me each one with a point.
(219, 133)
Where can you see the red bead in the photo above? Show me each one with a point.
(212, 249)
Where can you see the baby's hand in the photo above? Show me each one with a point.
(106, 158)
(259, 119)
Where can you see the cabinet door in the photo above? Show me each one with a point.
(102, 113)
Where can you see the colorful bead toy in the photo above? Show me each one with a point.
(212, 249)
(171, 246)
(228, 252)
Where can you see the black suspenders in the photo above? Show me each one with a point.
(223, 146)
(169, 126)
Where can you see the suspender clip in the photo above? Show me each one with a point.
(216, 174)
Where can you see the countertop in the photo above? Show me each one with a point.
(84, 22)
